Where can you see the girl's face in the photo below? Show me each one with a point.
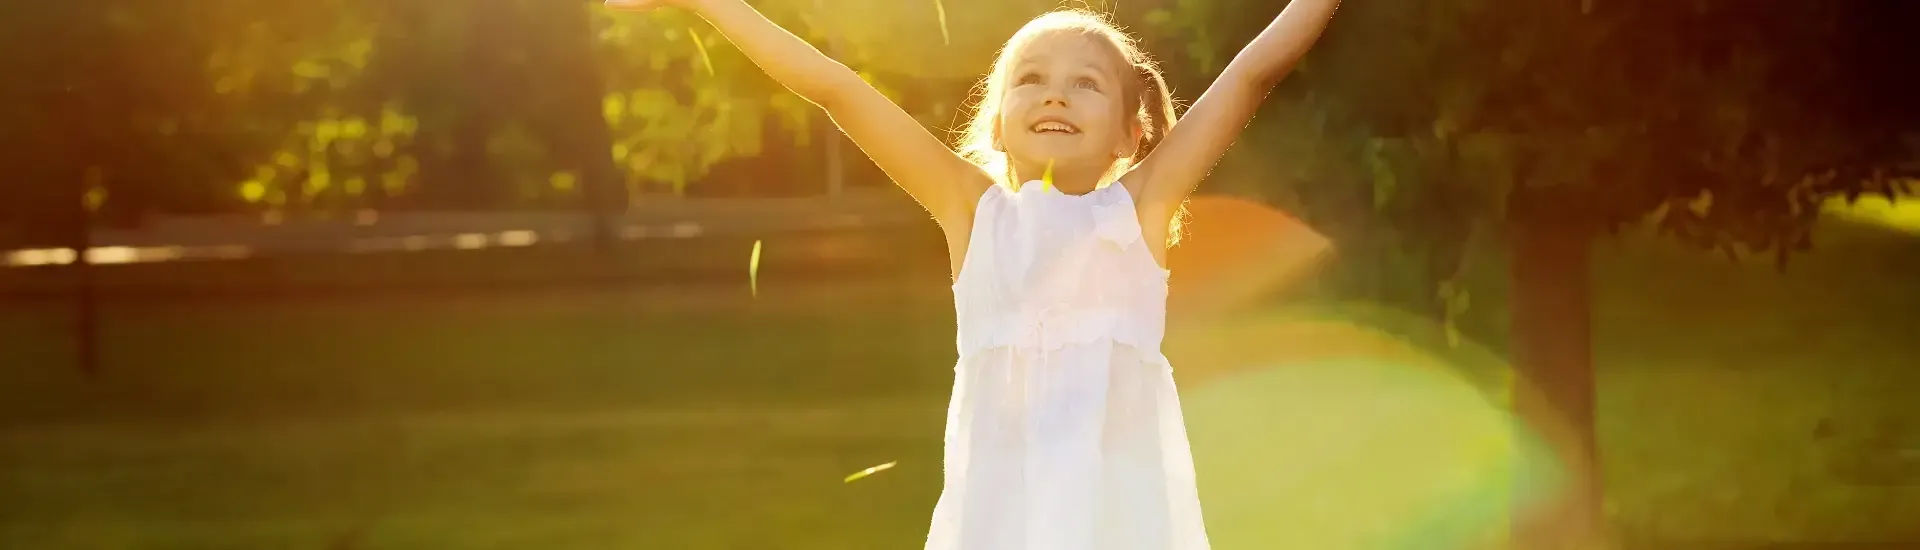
(1065, 103)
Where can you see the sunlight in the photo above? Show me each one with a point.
(1233, 252)
(112, 255)
(687, 230)
(1360, 438)
(44, 256)
(470, 241)
(517, 238)
(1902, 215)
(115, 255)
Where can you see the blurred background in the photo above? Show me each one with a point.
(530, 274)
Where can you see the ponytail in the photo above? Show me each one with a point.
(1155, 108)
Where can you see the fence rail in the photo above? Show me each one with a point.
(168, 239)
(685, 242)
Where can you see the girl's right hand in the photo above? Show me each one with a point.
(637, 5)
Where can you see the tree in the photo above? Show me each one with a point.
(310, 126)
(131, 108)
(1552, 124)
(680, 99)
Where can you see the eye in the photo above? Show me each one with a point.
(1027, 78)
(1087, 83)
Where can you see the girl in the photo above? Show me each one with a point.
(1064, 431)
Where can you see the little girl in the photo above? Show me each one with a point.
(1064, 431)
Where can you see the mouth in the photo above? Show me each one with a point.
(1054, 126)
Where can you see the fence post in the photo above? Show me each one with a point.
(86, 299)
(836, 161)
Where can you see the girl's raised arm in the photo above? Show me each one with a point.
(1174, 168)
(943, 182)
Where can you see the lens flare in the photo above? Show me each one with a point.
(1317, 430)
(1235, 252)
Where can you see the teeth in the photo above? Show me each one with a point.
(1052, 127)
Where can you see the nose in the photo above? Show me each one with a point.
(1055, 96)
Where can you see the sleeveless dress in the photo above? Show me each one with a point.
(1064, 431)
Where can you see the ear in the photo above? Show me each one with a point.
(997, 144)
(1132, 146)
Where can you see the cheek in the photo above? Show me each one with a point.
(1017, 97)
(1112, 124)
(1009, 127)
(1011, 107)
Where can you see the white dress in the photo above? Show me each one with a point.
(1064, 431)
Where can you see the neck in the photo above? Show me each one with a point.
(1069, 181)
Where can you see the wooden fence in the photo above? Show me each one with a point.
(677, 240)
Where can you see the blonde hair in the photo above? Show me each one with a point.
(1145, 95)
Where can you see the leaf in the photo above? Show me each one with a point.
(940, 10)
(252, 191)
(1703, 204)
(613, 107)
(310, 69)
(1046, 178)
(353, 128)
(870, 471)
(705, 59)
(753, 274)
(563, 181)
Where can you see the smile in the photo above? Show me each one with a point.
(1054, 127)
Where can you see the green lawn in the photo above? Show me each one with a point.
(564, 420)
(1738, 404)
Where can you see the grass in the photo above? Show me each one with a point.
(1737, 405)
(1762, 406)
(554, 420)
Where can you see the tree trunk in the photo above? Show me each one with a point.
(586, 141)
(1552, 354)
(469, 96)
